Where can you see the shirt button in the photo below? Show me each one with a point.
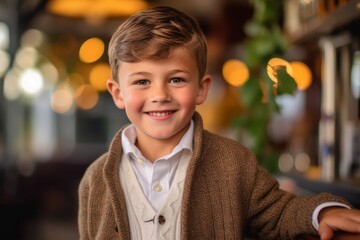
(161, 219)
(157, 187)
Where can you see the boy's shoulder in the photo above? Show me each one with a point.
(226, 143)
(96, 166)
(229, 149)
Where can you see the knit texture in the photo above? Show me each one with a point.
(226, 194)
(140, 210)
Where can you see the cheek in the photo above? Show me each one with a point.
(187, 99)
(134, 100)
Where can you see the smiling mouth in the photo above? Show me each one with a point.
(160, 114)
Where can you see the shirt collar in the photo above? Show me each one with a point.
(128, 140)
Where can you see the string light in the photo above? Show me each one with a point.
(96, 8)
(301, 74)
(274, 64)
(91, 50)
(235, 72)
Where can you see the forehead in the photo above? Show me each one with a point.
(179, 59)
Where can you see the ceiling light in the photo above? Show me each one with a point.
(96, 8)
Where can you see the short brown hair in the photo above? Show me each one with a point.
(152, 34)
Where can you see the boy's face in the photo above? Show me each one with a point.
(160, 96)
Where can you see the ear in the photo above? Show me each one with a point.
(114, 89)
(204, 87)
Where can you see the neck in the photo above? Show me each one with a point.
(153, 149)
(156, 150)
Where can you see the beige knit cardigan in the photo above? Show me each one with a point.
(226, 195)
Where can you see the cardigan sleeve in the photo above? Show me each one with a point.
(87, 192)
(276, 214)
(83, 211)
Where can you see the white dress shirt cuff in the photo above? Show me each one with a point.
(315, 215)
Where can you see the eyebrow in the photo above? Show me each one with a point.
(180, 71)
(138, 73)
(170, 72)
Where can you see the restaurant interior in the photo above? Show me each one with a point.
(286, 84)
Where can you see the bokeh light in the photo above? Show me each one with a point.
(286, 162)
(91, 50)
(4, 36)
(26, 57)
(235, 72)
(301, 74)
(302, 162)
(51, 74)
(103, 8)
(99, 75)
(32, 38)
(31, 81)
(11, 84)
(87, 97)
(62, 99)
(274, 64)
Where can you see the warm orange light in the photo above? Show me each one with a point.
(96, 8)
(62, 99)
(274, 64)
(301, 74)
(99, 75)
(88, 97)
(235, 72)
(91, 50)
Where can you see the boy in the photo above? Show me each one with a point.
(164, 176)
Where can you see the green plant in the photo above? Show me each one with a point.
(265, 40)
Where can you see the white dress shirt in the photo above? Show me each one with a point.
(155, 178)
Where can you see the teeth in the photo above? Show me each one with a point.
(159, 114)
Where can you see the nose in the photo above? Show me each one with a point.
(160, 93)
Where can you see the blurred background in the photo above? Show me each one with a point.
(286, 83)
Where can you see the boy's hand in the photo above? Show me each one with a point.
(339, 223)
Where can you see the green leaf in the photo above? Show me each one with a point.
(279, 38)
(251, 58)
(250, 93)
(286, 84)
(265, 40)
